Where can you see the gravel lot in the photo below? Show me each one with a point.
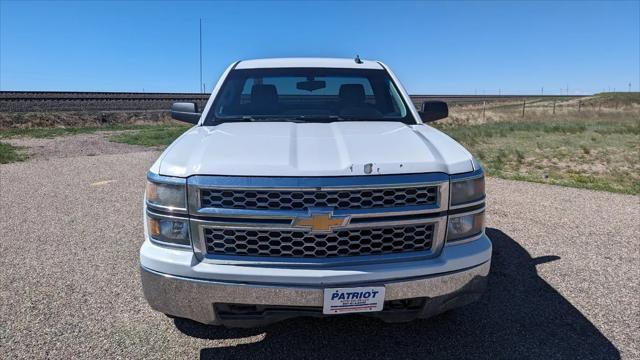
(564, 281)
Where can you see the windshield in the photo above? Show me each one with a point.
(308, 95)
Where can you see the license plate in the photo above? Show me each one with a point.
(353, 300)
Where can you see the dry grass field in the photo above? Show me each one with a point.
(590, 143)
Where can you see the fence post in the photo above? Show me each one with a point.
(554, 107)
(579, 105)
(483, 106)
(524, 103)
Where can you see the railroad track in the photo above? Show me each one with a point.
(38, 101)
(61, 95)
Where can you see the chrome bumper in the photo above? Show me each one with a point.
(195, 298)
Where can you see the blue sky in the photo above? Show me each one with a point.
(460, 47)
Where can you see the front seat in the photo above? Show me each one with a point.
(264, 100)
(352, 102)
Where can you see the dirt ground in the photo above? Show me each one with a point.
(75, 145)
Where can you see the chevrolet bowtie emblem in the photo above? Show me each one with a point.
(320, 221)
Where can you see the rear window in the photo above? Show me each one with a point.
(308, 94)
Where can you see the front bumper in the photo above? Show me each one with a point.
(461, 280)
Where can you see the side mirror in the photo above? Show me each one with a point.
(187, 112)
(434, 110)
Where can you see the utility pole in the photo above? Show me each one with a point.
(542, 91)
(201, 90)
(629, 87)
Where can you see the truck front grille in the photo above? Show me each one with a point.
(301, 244)
(350, 199)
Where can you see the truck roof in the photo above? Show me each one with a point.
(308, 62)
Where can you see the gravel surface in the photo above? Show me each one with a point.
(564, 279)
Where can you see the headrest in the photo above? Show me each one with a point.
(352, 93)
(264, 94)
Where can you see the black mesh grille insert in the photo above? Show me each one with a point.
(304, 199)
(301, 244)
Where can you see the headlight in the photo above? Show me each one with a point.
(467, 198)
(467, 190)
(168, 196)
(170, 231)
(165, 193)
(465, 226)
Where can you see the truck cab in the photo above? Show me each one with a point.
(312, 187)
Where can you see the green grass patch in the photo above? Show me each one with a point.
(153, 136)
(10, 153)
(594, 154)
(65, 131)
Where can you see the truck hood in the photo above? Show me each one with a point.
(312, 149)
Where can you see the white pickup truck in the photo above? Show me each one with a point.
(312, 187)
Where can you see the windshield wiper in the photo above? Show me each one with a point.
(276, 118)
(299, 118)
(331, 118)
(365, 118)
(224, 119)
(259, 118)
(323, 118)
